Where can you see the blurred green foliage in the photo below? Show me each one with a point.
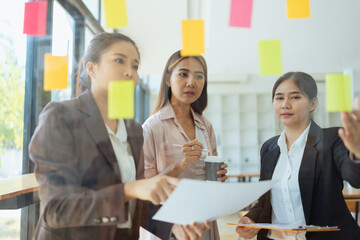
(12, 90)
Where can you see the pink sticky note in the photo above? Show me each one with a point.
(240, 13)
(35, 18)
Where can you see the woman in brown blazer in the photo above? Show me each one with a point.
(89, 167)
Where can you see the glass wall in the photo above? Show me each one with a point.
(22, 97)
(12, 91)
(62, 45)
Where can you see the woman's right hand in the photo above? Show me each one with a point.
(156, 189)
(245, 232)
(189, 232)
(192, 152)
(350, 134)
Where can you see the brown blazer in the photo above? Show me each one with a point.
(81, 192)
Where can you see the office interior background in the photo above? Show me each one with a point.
(239, 98)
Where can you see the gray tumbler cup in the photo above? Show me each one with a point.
(212, 165)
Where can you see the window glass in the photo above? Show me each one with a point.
(12, 92)
(62, 45)
(88, 36)
(93, 6)
(12, 87)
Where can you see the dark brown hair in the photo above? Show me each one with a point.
(97, 46)
(165, 91)
(303, 81)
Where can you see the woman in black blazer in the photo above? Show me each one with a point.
(84, 179)
(329, 158)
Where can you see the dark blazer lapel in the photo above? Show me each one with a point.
(308, 167)
(96, 127)
(270, 160)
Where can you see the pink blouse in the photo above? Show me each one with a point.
(161, 131)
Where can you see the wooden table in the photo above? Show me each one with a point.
(242, 177)
(351, 193)
(18, 192)
(352, 199)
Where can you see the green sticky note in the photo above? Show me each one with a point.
(121, 99)
(270, 57)
(193, 37)
(115, 13)
(338, 93)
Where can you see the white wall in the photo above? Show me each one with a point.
(155, 25)
(329, 41)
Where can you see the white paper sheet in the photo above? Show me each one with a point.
(198, 201)
(146, 235)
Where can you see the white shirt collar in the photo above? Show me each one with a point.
(300, 141)
(121, 132)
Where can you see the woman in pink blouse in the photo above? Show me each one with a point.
(177, 133)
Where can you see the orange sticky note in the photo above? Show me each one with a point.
(55, 72)
(298, 9)
(115, 13)
(121, 99)
(270, 57)
(193, 37)
(35, 18)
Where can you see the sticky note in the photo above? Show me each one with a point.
(115, 13)
(35, 18)
(270, 57)
(55, 72)
(193, 37)
(240, 13)
(338, 93)
(298, 8)
(121, 99)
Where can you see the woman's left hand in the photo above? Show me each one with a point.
(350, 134)
(222, 172)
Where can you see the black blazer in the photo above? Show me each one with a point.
(325, 164)
(81, 191)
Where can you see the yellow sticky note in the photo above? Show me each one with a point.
(270, 57)
(338, 93)
(298, 9)
(55, 72)
(193, 37)
(121, 99)
(115, 13)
